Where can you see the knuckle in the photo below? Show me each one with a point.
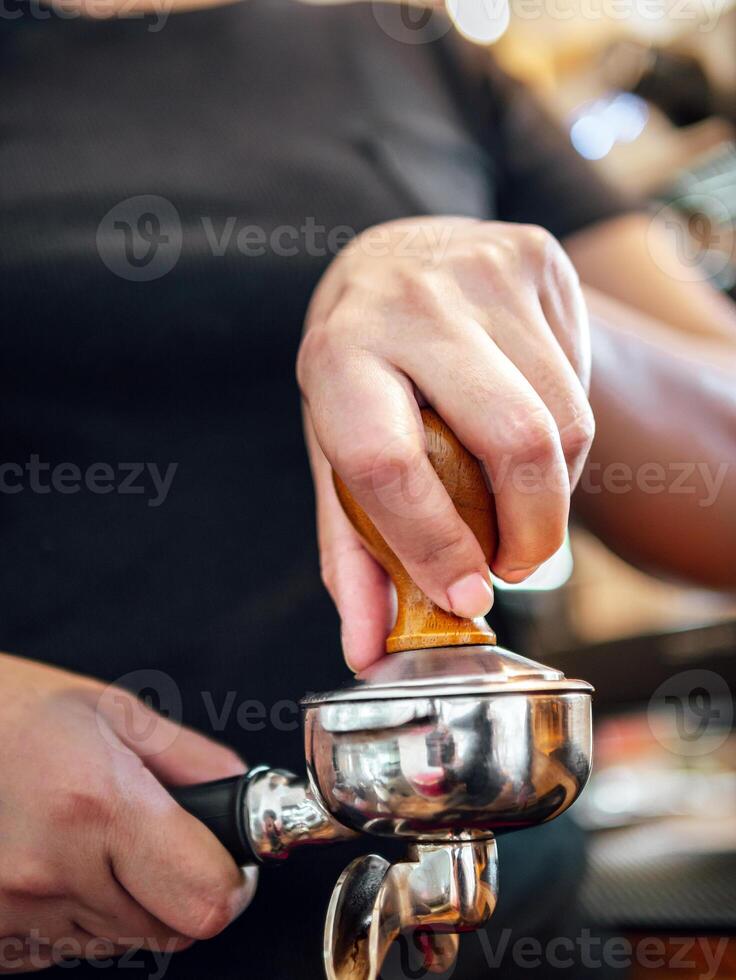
(534, 440)
(407, 280)
(331, 558)
(325, 346)
(328, 575)
(418, 299)
(31, 878)
(577, 437)
(211, 913)
(539, 242)
(435, 548)
(498, 257)
(496, 250)
(369, 467)
(317, 346)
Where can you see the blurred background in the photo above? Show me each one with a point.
(646, 90)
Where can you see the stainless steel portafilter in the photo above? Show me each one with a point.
(446, 742)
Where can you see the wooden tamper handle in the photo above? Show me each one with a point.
(420, 623)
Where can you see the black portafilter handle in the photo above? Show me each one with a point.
(221, 806)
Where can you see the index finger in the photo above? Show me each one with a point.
(369, 426)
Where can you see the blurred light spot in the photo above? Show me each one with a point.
(627, 115)
(591, 137)
(597, 126)
(482, 21)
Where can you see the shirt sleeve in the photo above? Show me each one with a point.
(539, 176)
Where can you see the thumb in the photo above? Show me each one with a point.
(172, 865)
(359, 587)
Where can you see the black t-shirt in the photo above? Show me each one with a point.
(169, 197)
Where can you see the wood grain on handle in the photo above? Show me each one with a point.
(420, 623)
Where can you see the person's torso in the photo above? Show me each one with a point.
(169, 200)
(170, 196)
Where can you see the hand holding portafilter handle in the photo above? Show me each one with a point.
(84, 768)
(220, 805)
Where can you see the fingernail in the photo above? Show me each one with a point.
(470, 596)
(345, 641)
(516, 573)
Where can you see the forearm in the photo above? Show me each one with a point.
(637, 260)
(660, 483)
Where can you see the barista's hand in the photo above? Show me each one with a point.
(95, 855)
(485, 321)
